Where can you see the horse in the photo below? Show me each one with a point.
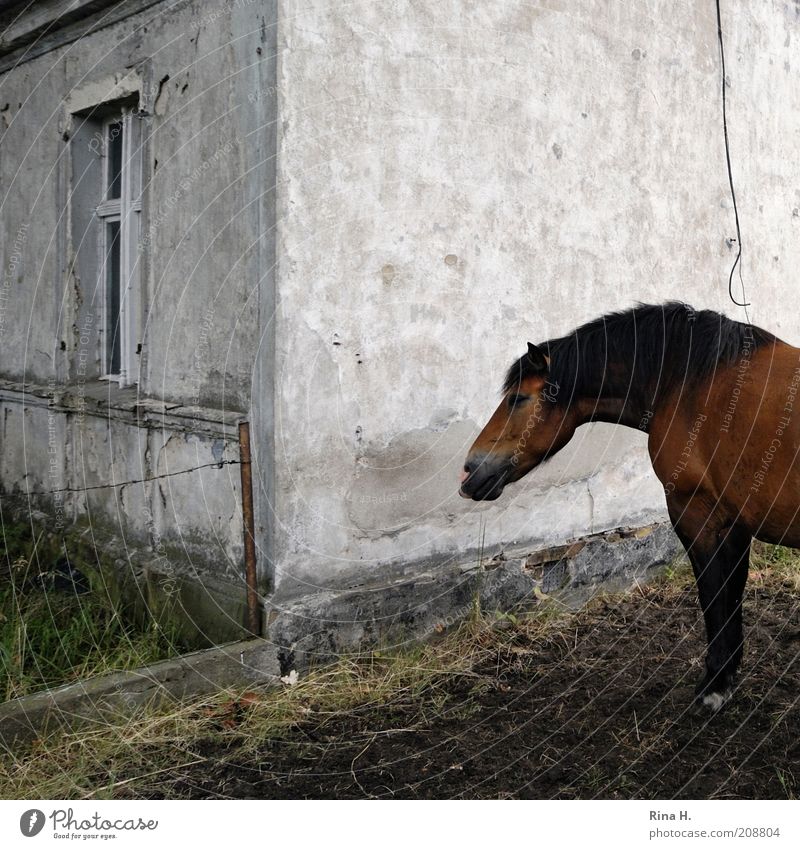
(716, 398)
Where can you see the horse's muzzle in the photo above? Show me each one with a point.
(483, 478)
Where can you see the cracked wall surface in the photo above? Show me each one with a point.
(195, 67)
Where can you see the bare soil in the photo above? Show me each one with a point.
(601, 707)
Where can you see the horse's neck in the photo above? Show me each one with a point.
(615, 394)
(624, 411)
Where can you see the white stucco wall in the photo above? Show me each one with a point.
(457, 178)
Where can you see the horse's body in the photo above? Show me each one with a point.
(717, 399)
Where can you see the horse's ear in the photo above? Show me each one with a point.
(537, 358)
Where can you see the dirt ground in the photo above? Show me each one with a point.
(600, 708)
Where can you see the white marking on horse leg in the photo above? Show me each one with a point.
(716, 700)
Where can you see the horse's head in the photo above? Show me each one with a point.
(529, 426)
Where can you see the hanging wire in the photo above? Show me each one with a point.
(737, 261)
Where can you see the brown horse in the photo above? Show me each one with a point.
(717, 399)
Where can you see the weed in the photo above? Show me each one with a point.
(51, 637)
(787, 782)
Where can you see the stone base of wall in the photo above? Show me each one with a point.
(322, 627)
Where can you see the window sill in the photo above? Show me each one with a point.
(104, 399)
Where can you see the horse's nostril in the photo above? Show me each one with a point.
(465, 473)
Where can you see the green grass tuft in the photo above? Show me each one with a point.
(49, 638)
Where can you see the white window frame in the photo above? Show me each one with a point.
(126, 209)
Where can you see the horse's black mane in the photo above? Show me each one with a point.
(644, 352)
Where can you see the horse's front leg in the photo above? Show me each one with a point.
(720, 560)
(720, 583)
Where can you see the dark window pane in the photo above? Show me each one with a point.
(114, 149)
(113, 298)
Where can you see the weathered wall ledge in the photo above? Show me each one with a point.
(100, 399)
(97, 701)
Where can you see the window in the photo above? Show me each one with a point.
(106, 208)
(119, 213)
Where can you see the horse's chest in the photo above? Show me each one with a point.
(678, 453)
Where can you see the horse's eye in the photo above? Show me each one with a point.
(516, 400)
